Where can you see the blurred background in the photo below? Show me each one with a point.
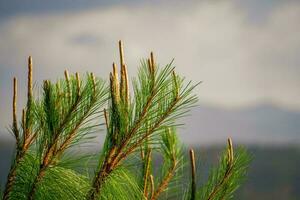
(246, 52)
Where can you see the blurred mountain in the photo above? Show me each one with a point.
(260, 124)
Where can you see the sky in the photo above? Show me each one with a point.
(245, 51)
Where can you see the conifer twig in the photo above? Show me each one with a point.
(193, 169)
(106, 119)
(164, 183)
(29, 92)
(147, 171)
(148, 133)
(117, 152)
(78, 82)
(15, 123)
(152, 61)
(20, 150)
(61, 141)
(152, 186)
(23, 124)
(121, 53)
(227, 173)
(93, 81)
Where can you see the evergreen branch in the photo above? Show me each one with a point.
(227, 174)
(15, 123)
(172, 155)
(147, 172)
(66, 116)
(152, 186)
(149, 132)
(163, 185)
(225, 179)
(11, 178)
(111, 158)
(193, 170)
(29, 86)
(29, 99)
(54, 148)
(20, 150)
(115, 158)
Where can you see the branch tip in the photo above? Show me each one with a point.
(29, 86)
(152, 61)
(121, 53)
(193, 169)
(230, 150)
(78, 81)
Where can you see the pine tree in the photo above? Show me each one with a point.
(140, 130)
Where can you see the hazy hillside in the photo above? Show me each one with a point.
(261, 124)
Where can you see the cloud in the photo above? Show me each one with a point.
(240, 62)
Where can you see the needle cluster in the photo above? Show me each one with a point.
(140, 125)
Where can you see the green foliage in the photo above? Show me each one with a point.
(139, 129)
(224, 179)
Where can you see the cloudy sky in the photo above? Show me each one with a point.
(245, 51)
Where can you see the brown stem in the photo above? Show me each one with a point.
(220, 184)
(152, 185)
(147, 134)
(147, 172)
(163, 185)
(29, 86)
(11, 177)
(121, 53)
(101, 175)
(37, 180)
(15, 123)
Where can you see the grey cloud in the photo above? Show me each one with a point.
(241, 63)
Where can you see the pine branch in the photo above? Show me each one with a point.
(133, 147)
(193, 170)
(20, 150)
(63, 135)
(123, 143)
(147, 172)
(67, 115)
(163, 185)
(172, 156)
(225, 179)
(152, 186)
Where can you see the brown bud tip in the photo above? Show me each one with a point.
(15, 82)
(29, 77)
(229, 143)
(78, 81)
(152, 60)
(115, 71)
(106, 118)
(192, 158)
(230, 148)
(149, 65)
(93, 80)
(67, 75)
(30, 60)
(77, 76)
(23, 117)
(121, 53)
